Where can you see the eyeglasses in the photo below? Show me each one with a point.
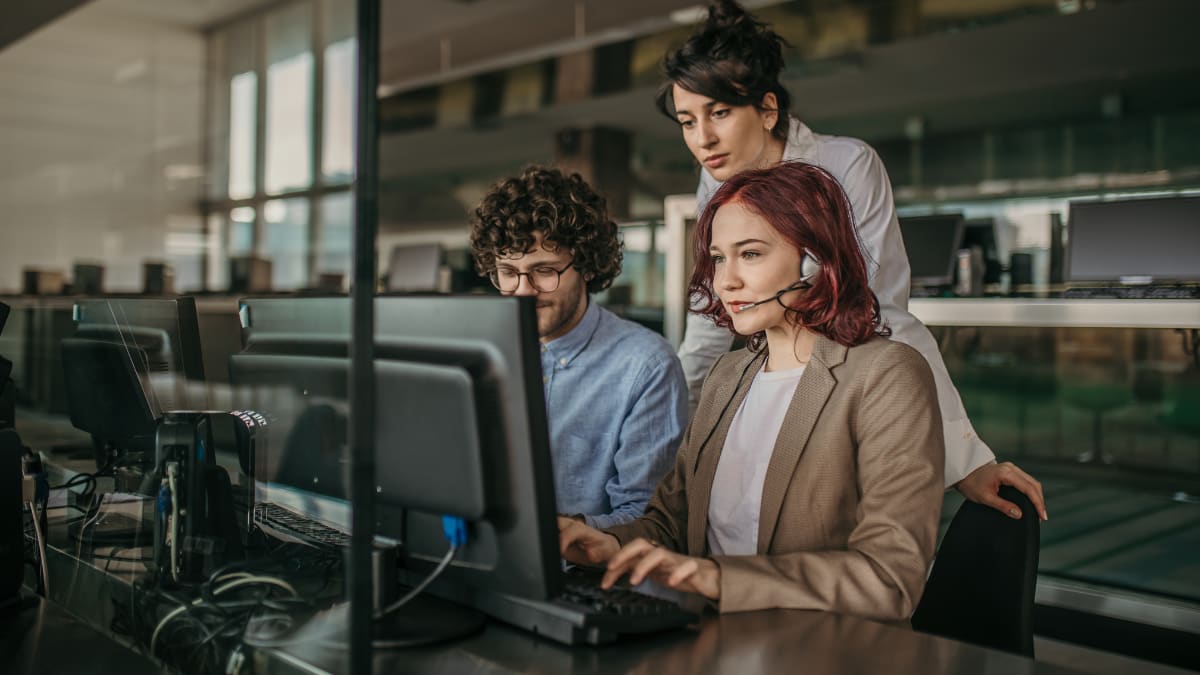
(544, 279)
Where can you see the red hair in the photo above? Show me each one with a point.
(810, 211)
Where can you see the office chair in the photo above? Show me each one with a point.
(982, 584)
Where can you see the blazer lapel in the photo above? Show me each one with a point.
(812, 392)
(726, 401)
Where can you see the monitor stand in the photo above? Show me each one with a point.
(424, 620)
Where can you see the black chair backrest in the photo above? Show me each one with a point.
(983, 580)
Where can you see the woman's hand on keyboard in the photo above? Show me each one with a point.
(584, 545)
(641, 559)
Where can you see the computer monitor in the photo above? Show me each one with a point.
(88, 279)
(513, 547)
(167, 328)
(981, 232)
(128, 361)
(932, 243)
(1134, 241)
(108, 397)
(414, 268)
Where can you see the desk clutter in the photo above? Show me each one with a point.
(215, 533)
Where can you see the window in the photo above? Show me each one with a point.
(289, 99)
(268, 196)
(243, 91)
(334, 242)
(285, 242)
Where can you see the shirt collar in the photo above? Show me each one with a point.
(564, 349)
(801, 143)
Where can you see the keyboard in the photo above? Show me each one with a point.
(307, 530)
(584, 613)
(1133, 293)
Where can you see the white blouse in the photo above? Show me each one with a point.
(736, 498)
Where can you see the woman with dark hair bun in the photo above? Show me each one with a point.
(811, 474)
(722, 87)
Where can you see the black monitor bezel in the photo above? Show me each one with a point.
(527, 562)
(1128, 279)
(947, 278)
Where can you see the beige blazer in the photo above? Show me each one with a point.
(853, 491)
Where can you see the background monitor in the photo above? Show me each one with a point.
(493, 341)
(128, 361)
(414, 268)
(88, 279)
(981, 232)
(109, 398)
(932, 244)
(249, 274)
(1136, 240)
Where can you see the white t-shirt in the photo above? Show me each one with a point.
(736, 499)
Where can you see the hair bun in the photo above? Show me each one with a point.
(730, 32)
(725, 14)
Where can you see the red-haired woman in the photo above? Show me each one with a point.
(811, 474)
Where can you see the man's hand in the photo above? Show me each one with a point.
(582, 544)
(982, 486)
(641, 559)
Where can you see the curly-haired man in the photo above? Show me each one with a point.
(616, 398)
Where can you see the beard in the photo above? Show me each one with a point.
(554, 317)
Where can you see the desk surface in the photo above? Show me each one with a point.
(752, 642)
(766, 642)
(1056, 312)
(41, 637)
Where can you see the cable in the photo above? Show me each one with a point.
(173, 520)
(421, 586)
(455, 531)
(243, 581)
(74, 480)
(41, 543)
(257, 580)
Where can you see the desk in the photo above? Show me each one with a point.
(41, 637)
(1056, 312)
(774, 641)
(767, 641)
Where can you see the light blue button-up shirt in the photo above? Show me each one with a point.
(616, 400)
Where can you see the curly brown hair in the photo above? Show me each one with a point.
(567, 212)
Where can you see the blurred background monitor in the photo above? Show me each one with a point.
(43, 282)
(293, 370)
(932, 244)
(332, 282)
(88, 279)
(158, 278)
(249, 274)
(1134, 241)
(981, 232)
(415, 268)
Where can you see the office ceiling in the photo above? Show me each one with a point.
(422, 40)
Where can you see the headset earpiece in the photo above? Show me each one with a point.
(809, 266)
